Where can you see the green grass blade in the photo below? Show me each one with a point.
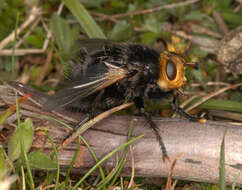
(28, 123)
(105, 158)
(114, 173)
(123, 158)
(122, 183)
(83, 17)
(217, 104)
(236, 179)
(27, 165)
(93, 155)
(57, 159)
(13, 61)
(118, 169)
(72, 162)
(56, 120)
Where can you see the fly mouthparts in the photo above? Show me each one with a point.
(194, 65)
(180, 92)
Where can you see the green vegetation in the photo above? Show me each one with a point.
(39, 51)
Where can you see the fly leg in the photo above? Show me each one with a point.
(91, 112)
(95, 104)
(181, 112)
(80, 124)
(140, 105)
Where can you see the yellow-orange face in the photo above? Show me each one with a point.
(172, 71)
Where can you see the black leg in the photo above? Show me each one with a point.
(181, 112)
(140, 105)
(82, 122)
(94, 104)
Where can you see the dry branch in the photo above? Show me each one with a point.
(199, 144)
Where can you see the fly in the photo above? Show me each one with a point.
(111, 74)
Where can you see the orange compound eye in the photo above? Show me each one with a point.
(171, 73)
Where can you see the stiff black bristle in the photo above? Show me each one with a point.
(196, 65)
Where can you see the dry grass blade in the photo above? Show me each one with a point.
(23, 178)
(20, 52)
(169, 185)
(7, 182)
(32, 21)
(226, 114)
(27, 33)
(45, 67)
(220, 22)
(93, 121)
(210, 95)
(34, 13)
(169, 6)
(131, 182)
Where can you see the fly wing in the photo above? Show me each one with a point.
(92, 45)
(79, 91)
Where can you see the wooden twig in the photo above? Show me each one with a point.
(101, 17)
(203, 30)
(92, 122)
(223, 28)
(45, 67)
(28, 32)
(207, 44)
(198, 143)
(210, 83)
(34, 13)
(156, 9)
(20, 52)
(210, 95)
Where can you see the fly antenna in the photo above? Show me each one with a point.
(194, 65)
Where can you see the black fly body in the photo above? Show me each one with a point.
(111, 74)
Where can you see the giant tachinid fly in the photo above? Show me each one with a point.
(111, 73)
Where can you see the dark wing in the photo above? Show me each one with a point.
(93, 51)
(81, 90)
(92, 45)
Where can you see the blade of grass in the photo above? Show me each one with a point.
(23, 177)
(134, 187)
(123, 158)
(110, 176)
(91, 122)
(94, 156)
(222, 184)
(119, 169)
(13, 61)
(26, 162)
(17, 108)
(83, 17)
(217, 104)
(122, 183)
(115, 174)
(57, 158)
(56, 120)
(23, 152)
(235, 180)
(11, 109)
(73, 162)
(94, 184)
(105, 158)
